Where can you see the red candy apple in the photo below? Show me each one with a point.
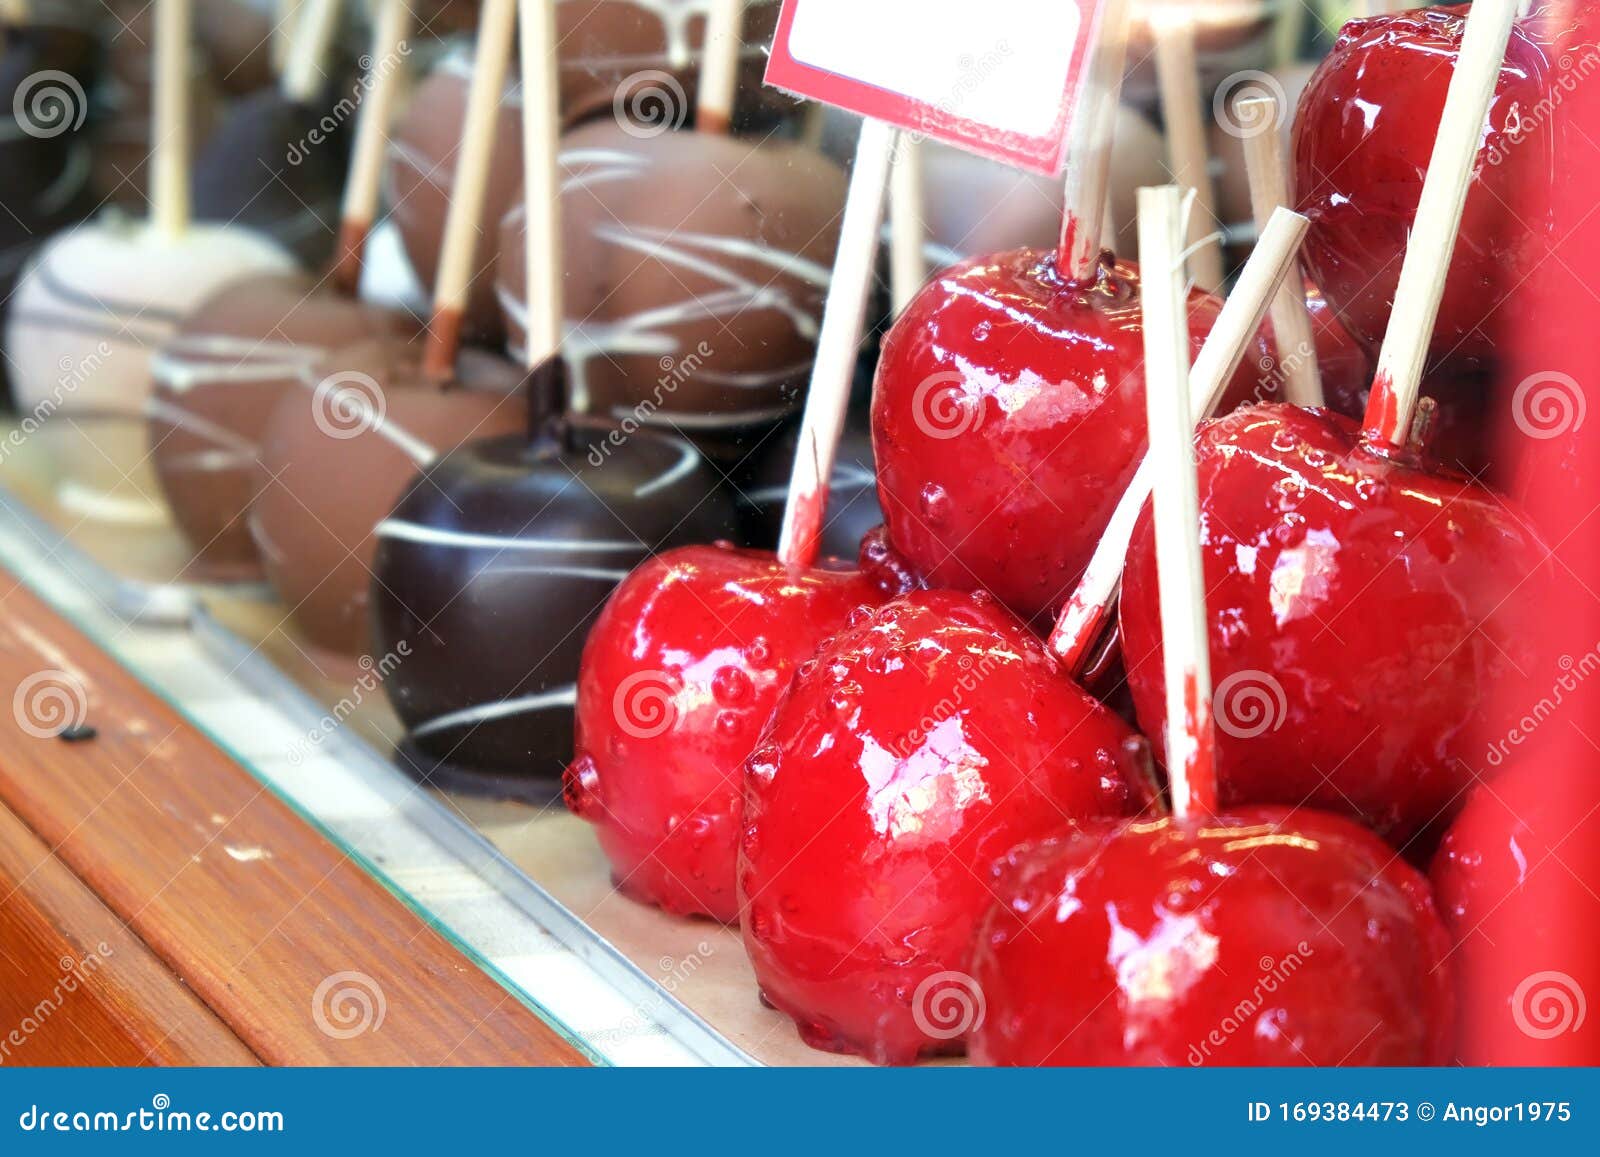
(1363, 610)
(1008, 417)
(1263, 937)
(1518, 883)
(678, 681)
(915, 750)
(1363, 138)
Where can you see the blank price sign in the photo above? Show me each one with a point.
(996, 77)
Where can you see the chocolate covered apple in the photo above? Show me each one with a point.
(277, 162)
(551, 519)
(337, 456)
(217, 381)
(694, 298)
(489, 576)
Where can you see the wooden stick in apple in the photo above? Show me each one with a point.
(1393, 403)
(169, 184)
(719, 66)
(541, 132)
(1269, 190)
(496, 24)
(1083, 223)
(843, 316)
(1082, 622)
(908, 261)
(303, 75)
(362, 191)
(1178, 76)
(1185, 648)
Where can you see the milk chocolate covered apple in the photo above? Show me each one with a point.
(693, 300)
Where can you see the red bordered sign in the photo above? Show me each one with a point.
(995, 77)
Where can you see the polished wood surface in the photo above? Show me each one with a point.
(76, 987)
(295, 949)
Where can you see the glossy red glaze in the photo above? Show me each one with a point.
(678, 682)
(1518, 883)
(915, 750)
(1363, 138)
(1362, 613)
(1264, 937)
(1007, 419)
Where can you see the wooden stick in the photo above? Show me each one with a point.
(451, 289)
(719, 66)
(541, 133)
(283, 33)
(1269, 190)
(303, 77)
(843, 316)
(1088, 611)
(363, 189)
(169, 181)
(908, 262)
(1178, 75)
(1089, 147)
(1393, 401)
(1185, 650)
(1288, 32)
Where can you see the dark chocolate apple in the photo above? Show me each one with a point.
(488, 576)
